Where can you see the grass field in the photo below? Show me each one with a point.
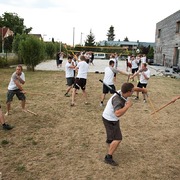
(64, 142)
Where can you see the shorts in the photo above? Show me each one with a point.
(134, 70)
(17, 92)
(141, 85)
(113, 130)
(60, 61)
(106, 89)
(80, 83)
(70, 81)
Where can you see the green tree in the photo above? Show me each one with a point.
(14, 23)
(150, 54)
(32, 51)
(110, 34)
(50, 49)
(126, 39)
(16, 45)
(90, 40)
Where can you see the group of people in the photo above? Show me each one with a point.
(76, 71)
(78, 81)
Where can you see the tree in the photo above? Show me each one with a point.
(50, 49)
(90, 40)
(16, 45)
(150, 54)
(126, 39)
(32, 51)
(14, 23)
(110, 34)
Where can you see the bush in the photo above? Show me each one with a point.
(3, 62)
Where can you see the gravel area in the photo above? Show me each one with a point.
(99, 66)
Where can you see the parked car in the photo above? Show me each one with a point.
(150, 61)
(99, 56)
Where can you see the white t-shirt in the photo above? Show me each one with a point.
(134, 64)
(82, 69)
(109, 75)
(69, 71)
(12, 85)
(142, 78)
(143, 59)
(109, 110)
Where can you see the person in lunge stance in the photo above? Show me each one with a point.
(109, 79)
(115, 108)
(144, 77)
(69, 73)
(15, 88)
(81, 79)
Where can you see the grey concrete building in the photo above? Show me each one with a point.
(167, 41)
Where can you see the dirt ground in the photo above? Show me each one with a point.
(64, 142)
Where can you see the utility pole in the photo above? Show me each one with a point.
(81, 39)
(73, 35)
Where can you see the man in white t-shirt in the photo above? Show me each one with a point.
(15, 88)
(69, 73)
(116, 107)
(144, 77)
(109, 79)
(81, 78)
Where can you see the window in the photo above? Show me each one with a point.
(159, 33)
(178, 27)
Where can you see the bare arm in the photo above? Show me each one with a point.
(122, 111)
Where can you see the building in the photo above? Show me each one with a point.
(130, 45)
(39, 36)
(167, 41)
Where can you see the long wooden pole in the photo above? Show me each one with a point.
(162, 107)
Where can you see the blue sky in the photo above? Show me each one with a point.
(135, 19)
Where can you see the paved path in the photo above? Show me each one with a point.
(99, 65)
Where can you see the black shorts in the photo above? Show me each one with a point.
(113, 130)
(17, 92)
(106, 89)
(141, 85)
(70, 81)
(134, 70)
(60, 61)
(80, 83)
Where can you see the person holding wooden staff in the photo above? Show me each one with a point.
(15, 88)
(116, 107)
(144, 77)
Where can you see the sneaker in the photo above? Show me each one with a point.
(110, 161)
(7, 114)
(72, 104)
(144, 101)
(67, 95)
(136, 98)
(7, 126)
(101, 104)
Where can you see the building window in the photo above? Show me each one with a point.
(159, 33)
(178, 27)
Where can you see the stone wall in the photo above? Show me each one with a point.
(167, 45)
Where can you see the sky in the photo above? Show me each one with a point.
(70, 21)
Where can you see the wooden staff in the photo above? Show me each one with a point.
(31, 112)
(172, 101)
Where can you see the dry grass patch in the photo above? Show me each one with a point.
(64, 142)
